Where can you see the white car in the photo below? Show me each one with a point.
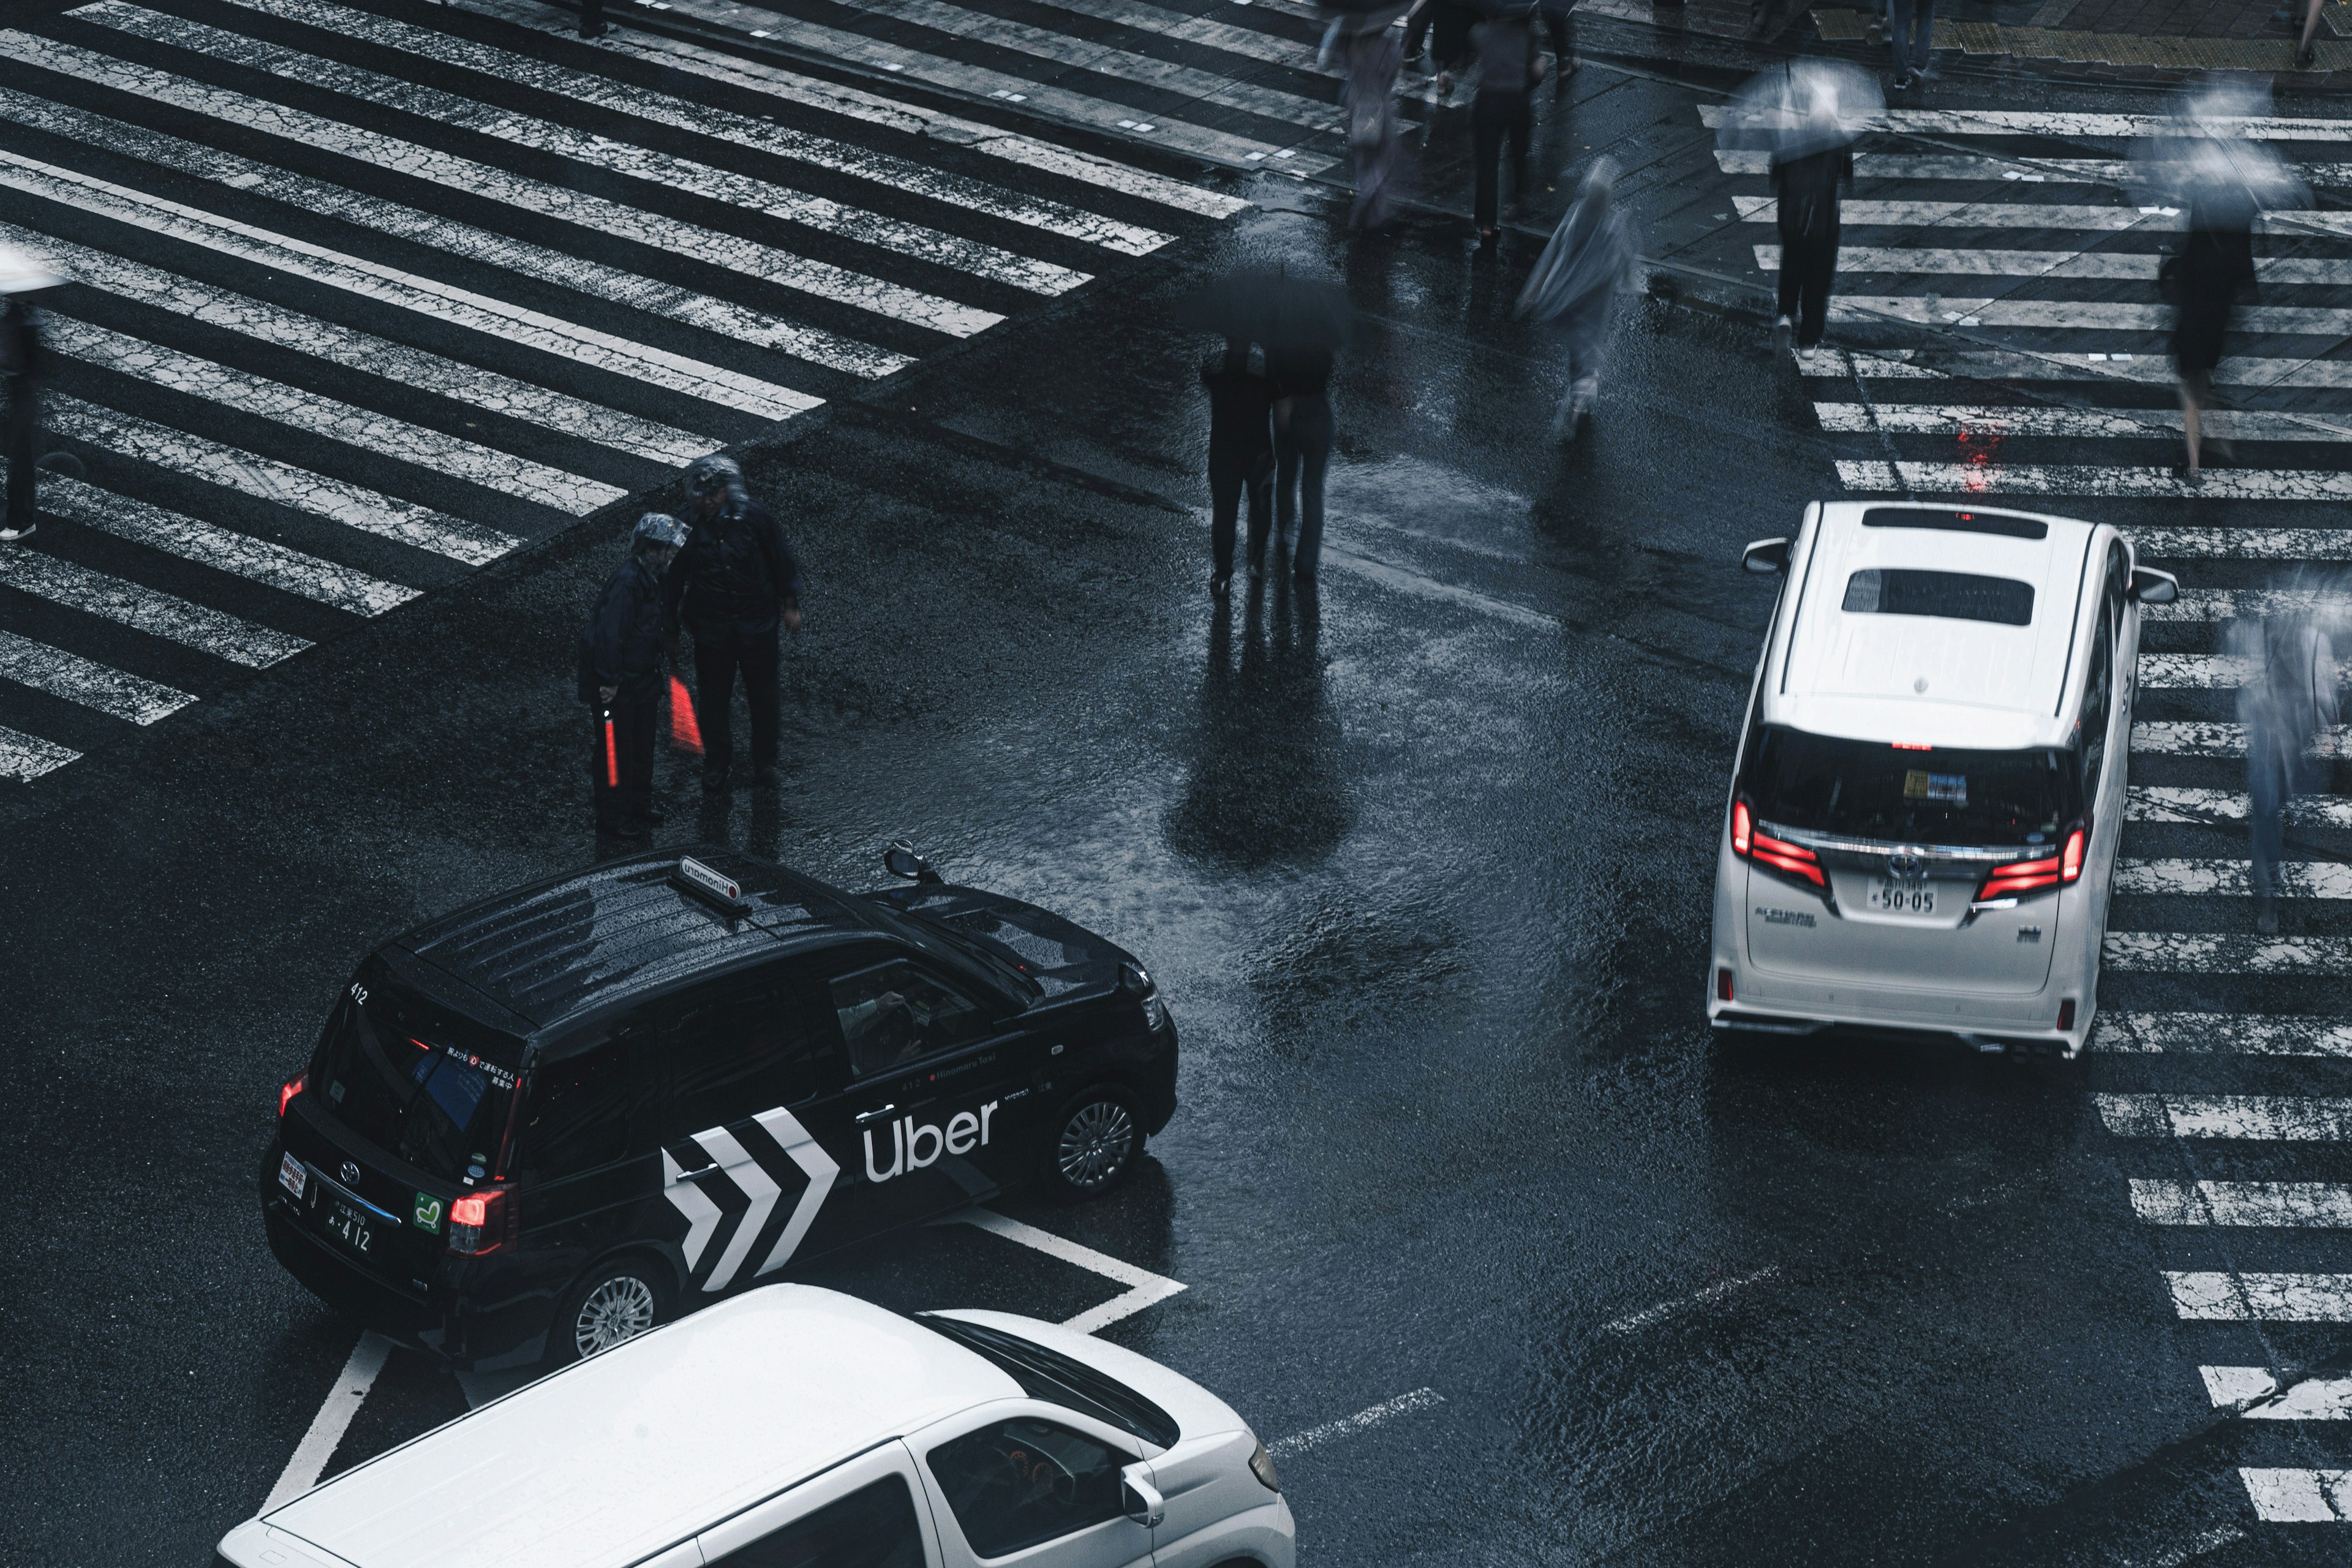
(1922, 827)
(795, 1425)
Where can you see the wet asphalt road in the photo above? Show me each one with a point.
(1422, 867)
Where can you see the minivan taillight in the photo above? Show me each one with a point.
(1752, 842)
(2020, 877)
(479, 1221)
(285, 1094)
(1742, 824)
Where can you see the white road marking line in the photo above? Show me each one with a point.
(353, 506)
(2179, 952)
(2191, 672)
(2223, 1033)
(334, 1419)
(2167, 803)
(356, 349)
(25, 757)
(2065, 123)
(2300, 1496)
(146, 609)
(2208, 605)
(2149, 368)
(1982, 419)
(988, 140)
(1425, 587)
(2320, 1205)
(2232, 879)
(2073, 217)
(2224, 543)
(2214, 1297)
(308, 411)
(782, 142)
(1147, 18)
(425, 296)
(2094, 479)
(240, 554)
(2134, 266)
(1633, 1322)
(80, 680)
(819, 279)
(1143, 1287)
(2202, 737)
(1349, 1426)
(2255, 1395)
(2295, 1119)
(2074, 315)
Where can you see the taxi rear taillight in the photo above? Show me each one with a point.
(1754, 845)
(2023, 879)
(286, 1093)
(479, 1221)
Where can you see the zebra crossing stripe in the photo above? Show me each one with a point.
(2295, 1119)
(2103, 266)
(2317, 1205)
(2253, 1393)
(2299, 1497)
(360, 428)
(2231, 878)
(2191, 672)
(2214, 1297)
(83, 681)
(729, 252)
(2212, 604)
(2185, 953)
(1248, 42)
(2067, 123)
(782, 142)
(266, 478)
(240, 554)
(425, 296)
(2221, 1034)
(146, 609)
(2224, 543)
(2071, 216)
(2074, 315)
(2017, 365)
(2204, 738)
(2094, 479)
(2126, 423)
(2170, 804)
(26, 757)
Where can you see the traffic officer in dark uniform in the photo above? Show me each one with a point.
(620, 676)
(21, 370)
(734, 583)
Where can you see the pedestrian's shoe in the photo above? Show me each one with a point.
(2266, 915)
(631, 829)
(2188, 476)
(1875, 34)
(1444, 86)
(1784, 331)
(1219, 586)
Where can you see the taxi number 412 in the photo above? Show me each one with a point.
(1893, 897)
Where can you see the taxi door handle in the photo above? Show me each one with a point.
(698, 1173)
(877, 1114)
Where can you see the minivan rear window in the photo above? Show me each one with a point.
(417, 1081)
(1956, 522)
(1956, 595)
(1868, 789)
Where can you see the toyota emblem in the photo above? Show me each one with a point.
(350, 1174)
(1909, 867)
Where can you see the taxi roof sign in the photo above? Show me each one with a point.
(699, 880)
(22, 272)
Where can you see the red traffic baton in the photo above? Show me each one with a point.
(612, 754)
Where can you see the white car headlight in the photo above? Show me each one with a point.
(1262, 1467)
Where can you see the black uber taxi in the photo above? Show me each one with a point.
(544, 1123)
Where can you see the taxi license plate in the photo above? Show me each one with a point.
(351, 1227)
(1889, 897)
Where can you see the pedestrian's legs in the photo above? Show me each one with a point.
(1261, 507)
(592, 18)
(23, 425)
(1817, 272)
(2193, 386)
(714, 703)
(1227, 479)
(1415, 32)
(633, 726)
(1287, 452)
(1520, 124)
(1488, 118)
(2266, 790)
(1560, 26)
(1792, 276)
(1923, 36)
(762, 659)
(1902, 14)
(2304, 50)
(1312, 426)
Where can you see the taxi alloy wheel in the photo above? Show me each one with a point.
(1097, 1145)
(612, 1306)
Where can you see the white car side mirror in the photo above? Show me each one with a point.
(2150, 586)
(1766, 556)
(1144, 1503)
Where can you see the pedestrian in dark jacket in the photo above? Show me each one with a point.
(1241, 458)
(1808, 187)
(735, 583)
(620, 678)
(1507, 66)
(2215, 265)
(1302, 451)
(21, 367)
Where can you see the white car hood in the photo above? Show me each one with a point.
(1198, 1413)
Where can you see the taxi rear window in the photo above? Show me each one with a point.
(417, 1082)
(1956, 595)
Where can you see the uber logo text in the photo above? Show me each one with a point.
(965, 1132)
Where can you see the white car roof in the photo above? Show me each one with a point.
(651, 1442)
(1929, 678)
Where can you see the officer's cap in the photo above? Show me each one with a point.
(659, 528)
(710, 475)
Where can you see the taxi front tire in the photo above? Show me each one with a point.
(612, 1303)
(1096, 1142)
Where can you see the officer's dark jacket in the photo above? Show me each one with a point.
(733, 576)
(623, 643)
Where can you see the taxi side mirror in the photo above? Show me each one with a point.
(900, 860)
(1766, 556)
(2150, 586)
(1142, 1499)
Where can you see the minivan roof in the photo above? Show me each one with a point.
(552, 949)
(1931, 679)
(652, 1442)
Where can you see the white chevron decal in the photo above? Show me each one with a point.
(758, 1185)
(702, 1214)
(816, 1163)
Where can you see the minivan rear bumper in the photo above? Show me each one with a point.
(1769, 1004)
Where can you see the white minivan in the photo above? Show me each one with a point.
(797, 1427)
(1922, 827)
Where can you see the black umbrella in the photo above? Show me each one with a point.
(1280, 313)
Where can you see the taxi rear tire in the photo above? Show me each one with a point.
(1094, 1144)
(612, 1304)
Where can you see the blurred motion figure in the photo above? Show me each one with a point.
(1241, 457)
(1509, 66)
(2288, 701)
(1806, 115)
(1368, 97)
(1591, 258)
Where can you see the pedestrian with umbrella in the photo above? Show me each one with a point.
(1806, 115)
(1592, 260)
(1368, 98)
(1241, 458)
(620, 671)
(1509, 66)
(735, 584)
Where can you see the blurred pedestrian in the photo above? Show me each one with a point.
(2203, 280)
(1592, 260)
(1808, 187)
(1368, 96)
(1241, 458)
(620, 678)
(1559, 26)
(2306, 48)
(1912, 39)
(23, 367)
(2288, 699)
(1302, 451)
(1446, 25)
(735, 583)
(1509, 66)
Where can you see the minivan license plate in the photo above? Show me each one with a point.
(349, 1225)
(1890, 897)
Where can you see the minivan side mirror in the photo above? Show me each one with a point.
(2150, 586)
(1766, 556)
(1144, 1503)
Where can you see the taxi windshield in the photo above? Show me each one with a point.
(1913, 795)
(418, 1083)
